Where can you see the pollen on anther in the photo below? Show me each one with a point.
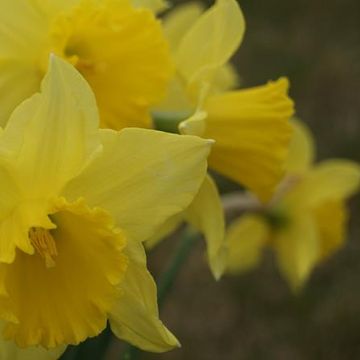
(44, 244)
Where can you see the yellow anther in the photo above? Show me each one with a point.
(44, 244)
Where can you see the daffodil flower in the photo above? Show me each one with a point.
(76, 204)
(118, 47)
(305, 222)
(250, 127)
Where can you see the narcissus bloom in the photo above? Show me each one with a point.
(250, 127)
(119, 48)
(77, 203)
(305, 223)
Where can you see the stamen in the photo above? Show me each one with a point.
(44, 244)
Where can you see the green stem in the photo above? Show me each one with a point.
(167, 280)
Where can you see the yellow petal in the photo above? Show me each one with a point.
(108, 41)
(14, 227)
(251, 132)
(62, 293)
(175, 26)
(179, 20)
(49, 9)
(10, 351)
(22, 30)
(302, 149)
(60, 127)
(330, 180)
(206, 214)
(51, 136)
(23, 80)
(246, 238)
(226, 78)
(23, 34)
(331, 219)
(134, 318)
(164, 230)
(175, 100)
(297, 249)
(195, 124)
(210, 43)
(9, 200)
(154, 5)
(143, 177)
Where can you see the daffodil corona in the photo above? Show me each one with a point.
(250, 127)
(77, 203)
(120, 50)
(306, 220)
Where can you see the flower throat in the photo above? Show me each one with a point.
(44, 244)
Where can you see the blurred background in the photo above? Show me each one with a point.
(317, 45)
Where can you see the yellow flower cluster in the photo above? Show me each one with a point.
(305, 222)
(87, 175)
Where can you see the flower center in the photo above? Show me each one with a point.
(107, 42)
(44, 244)
(74, 35)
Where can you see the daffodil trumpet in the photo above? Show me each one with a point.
(117, 45)
(250, 127)
(77, 203)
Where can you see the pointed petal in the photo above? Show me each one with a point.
(135, 316)
(330, 180)
(52, 135)
(206, 214)
(251, 130)
(297, 249)
(246, 238)
(302, 149)
(210, 42)
(18, 80)
(24, 34)
(179, 20)
(143, 177)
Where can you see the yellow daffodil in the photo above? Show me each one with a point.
(305, 222)
(250, 127)
(76, 204)
(119, 49)
(244, 123)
